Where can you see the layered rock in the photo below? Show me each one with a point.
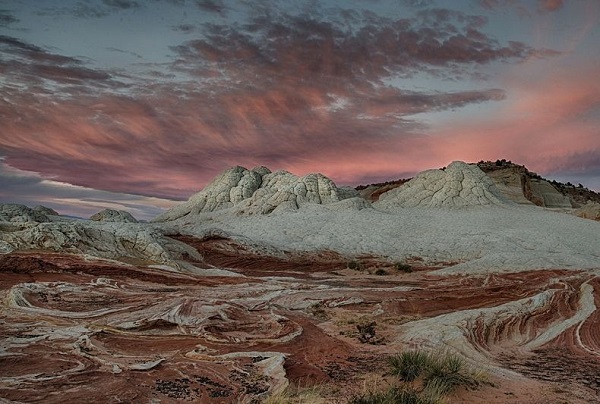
(459, 185)
(591, 210)
(522, 186)
(113, 215)
(260, 191)
(549, 195)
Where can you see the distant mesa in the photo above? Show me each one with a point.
(113, 215)
(458, 185)
(260, 191)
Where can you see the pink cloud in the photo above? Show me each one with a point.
(545, 121)
(551, 5)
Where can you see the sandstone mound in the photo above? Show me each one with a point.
(591, 210)
(112, 215)
(120, 241)
(45, 210)
(259, 191)
(518, 184)
(457, 186)
(21, 213)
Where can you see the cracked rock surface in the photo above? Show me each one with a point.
(459, 185)
(113, 215)
(259, 191)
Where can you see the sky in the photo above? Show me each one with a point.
(136, 105)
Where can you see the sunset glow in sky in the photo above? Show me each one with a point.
(132, 104)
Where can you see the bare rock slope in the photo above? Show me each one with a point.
(458, 185)
(20, 213)
(113, 215)
(259, 191)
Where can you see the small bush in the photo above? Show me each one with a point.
(402, 267)
(354, 265)
(380, 272)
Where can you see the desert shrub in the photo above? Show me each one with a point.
(389, 396)
(409, 365)
(402, 267)
(354, 265)
(447, 373)
(367, 333)
(380, 272)
(395, 395)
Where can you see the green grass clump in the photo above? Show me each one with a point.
(426, 378)
(449, 372)
(409, 365)
(393, 395)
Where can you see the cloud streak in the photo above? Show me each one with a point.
(28, 188)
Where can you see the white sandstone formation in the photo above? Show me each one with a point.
(113, 215)
(590, 210)
(45, 210)
(458, 185)
(549, 195)
(259, 191)
(119, 241)
(21, 213)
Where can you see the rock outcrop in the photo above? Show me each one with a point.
(120, 241)
(21, 213)
(259, 191)
(522, 186)
(457, 186)
(113, 215)
(45, 210)
(591, 210)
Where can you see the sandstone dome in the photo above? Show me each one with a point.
(113, 215)
(12, 212)
(259, 191)
(458, 185)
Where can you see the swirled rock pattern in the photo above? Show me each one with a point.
(79, 329)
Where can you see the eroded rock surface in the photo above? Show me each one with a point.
(458, 185)
(120, 241)
(142, 334)
(591, 210)
(259, 191)
(113, 215)
(21, 213)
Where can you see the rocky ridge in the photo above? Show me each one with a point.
(21, 213)
(113, 215)
(259, 191)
